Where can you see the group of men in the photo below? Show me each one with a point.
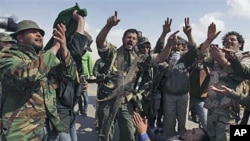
(41, 85)
(222, 111)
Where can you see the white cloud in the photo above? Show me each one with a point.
(247, 42)
(239, 8)
(199, 30)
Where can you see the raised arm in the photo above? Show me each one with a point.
(163, 55)
(101, 37)
(80, 22)
(59, 43)
(187, 29)
(211, 35)
(166, 28)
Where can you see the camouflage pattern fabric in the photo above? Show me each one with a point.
(239, 68)
(4, 37)
(222, 110)
(242, 98)
(224, 76)
(127, 64)
(25, 73)
(103, 110)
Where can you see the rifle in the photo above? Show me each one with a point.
(118, 93)
(156, 94)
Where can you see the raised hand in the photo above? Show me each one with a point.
(167, 26)
(230, 54)
(60, 38)
(187, 27)
(76, 16)
(218, 55)
(212, 33)
(113, 20)
(172, 39)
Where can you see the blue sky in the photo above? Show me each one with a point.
(145, 15)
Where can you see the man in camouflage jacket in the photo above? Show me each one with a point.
(28, 94)
(127, 63)
(5, 41)
(222, 110)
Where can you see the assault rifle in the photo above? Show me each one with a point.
(124, 88)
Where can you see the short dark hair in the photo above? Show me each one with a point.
(206, 136)
(239, 38)
(131, 30)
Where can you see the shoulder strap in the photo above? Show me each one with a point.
(12, 117)
(160, 73)
(10, 120)
(139, 82)
(112, 62)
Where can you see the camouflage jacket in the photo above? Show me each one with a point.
(24, 74)
(240, 69)
(122, 64)
(242, 98)
(99, 68)
(99, 71)
(224, 75)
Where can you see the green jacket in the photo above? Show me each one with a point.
(87, 64)
(28, 87)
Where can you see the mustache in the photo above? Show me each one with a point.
(129, 43)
